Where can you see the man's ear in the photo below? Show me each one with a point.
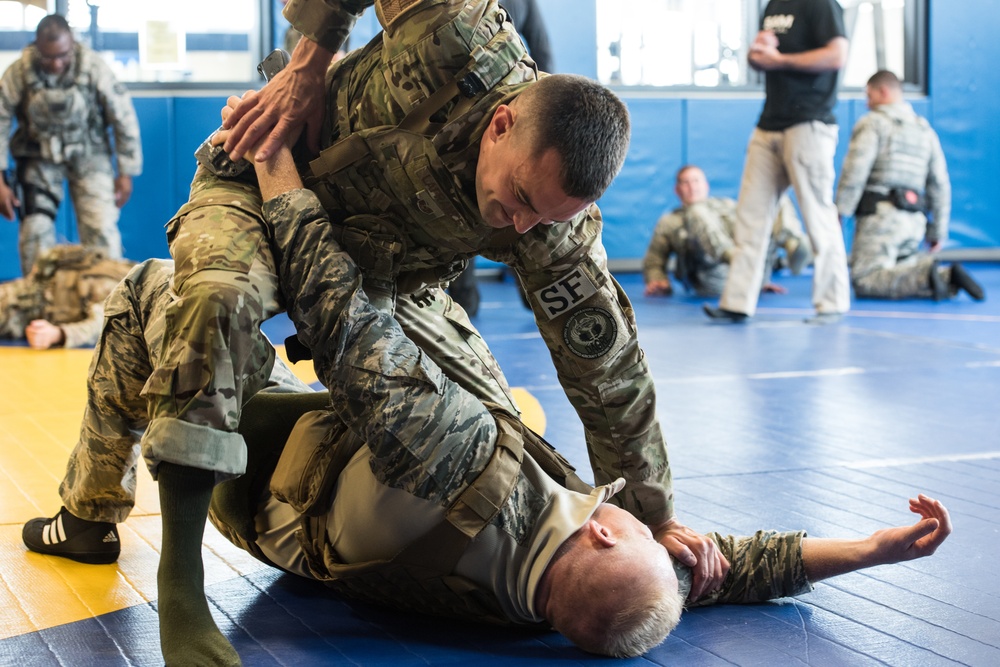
(501, 123)
(601, 534)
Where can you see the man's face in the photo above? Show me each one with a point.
(871, 92)
(879, 95)
(56, 56)
(692, 186)
(515, 189)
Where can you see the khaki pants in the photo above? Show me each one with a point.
(801, 156)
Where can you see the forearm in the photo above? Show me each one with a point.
(623, 434)
(765, 566)
(829, 58)
(278, 175)
(654, 264)
(85, 332)
(828, 557)
(324, 24)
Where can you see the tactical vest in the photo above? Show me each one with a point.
(61, 123)
(395, 174)
(62, 273)
(904, 155)
(420, 578)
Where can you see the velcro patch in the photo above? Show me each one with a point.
(590, 332)
(564, 294)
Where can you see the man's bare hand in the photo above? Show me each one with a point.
(773, 288)
(765, 58)
(293, 99)
(893, 545)
(659, 288)
(222, 135)
(42, 335)
(762, 46)
(123, 189)
(8, 202)
(708, 566)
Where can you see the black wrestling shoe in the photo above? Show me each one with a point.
(960, 279)
(723, 315)
(92, 542)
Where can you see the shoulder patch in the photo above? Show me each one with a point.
(590, 332)
(565, 293)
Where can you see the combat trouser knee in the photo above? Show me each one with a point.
(213, 357)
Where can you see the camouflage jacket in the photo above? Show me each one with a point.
(59, 118)
(669, 238)
(701, 235)
(894, 147)
(426, 184)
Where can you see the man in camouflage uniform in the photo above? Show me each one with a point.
(895, 181)
(65, 100)
(61, 301)
(420, 459)
(551, 555)
(699, 234)
(423, 170)
(428, 526)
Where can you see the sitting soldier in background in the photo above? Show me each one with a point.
(61, 301)
(894, 175)
(699, 234)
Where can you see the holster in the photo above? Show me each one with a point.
(904, 199)
(907, 199)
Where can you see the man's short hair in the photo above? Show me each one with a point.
(640, 627)
(585, 123)
(884, 77)
(51, 27)
(685, 168)
(621, 605)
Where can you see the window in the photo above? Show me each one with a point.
(703, 43)
(182, 41)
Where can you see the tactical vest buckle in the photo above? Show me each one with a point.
(471, 85)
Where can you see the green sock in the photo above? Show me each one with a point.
(188, 634)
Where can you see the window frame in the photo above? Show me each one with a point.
(914, 74)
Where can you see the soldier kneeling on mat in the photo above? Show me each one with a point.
(895, 182)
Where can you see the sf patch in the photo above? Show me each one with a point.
(566, 293)
(590, 332)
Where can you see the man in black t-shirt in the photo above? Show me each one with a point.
(801, 48)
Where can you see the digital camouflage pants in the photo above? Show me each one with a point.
(92, 191)
(885, 259)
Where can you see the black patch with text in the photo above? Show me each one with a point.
(590, 332)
